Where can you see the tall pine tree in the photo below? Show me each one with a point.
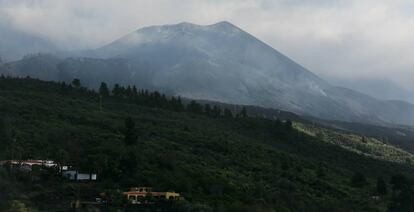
(76, 83)
(103, 90)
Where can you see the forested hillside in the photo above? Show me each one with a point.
(218, 159)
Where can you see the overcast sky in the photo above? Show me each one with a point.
(333, 38)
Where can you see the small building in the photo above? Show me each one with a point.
(78, 176)
(137, 195)
(28, 165)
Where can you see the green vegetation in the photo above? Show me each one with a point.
(360, 144)
(218, 161)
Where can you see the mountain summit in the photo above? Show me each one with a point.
(224, 63)
(221, 62)
(217, 62)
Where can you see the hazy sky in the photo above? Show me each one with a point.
(333, 38)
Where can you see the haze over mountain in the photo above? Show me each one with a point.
(378, 88)
(14, 44)
(217, 62)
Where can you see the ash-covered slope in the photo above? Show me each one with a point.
(217, 62)
(223, 63)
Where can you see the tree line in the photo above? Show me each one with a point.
(156, 99)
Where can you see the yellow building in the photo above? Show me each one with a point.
(136, 194)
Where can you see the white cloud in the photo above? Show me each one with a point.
(334, 38)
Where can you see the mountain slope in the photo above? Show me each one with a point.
(223, 63)
(217, 62)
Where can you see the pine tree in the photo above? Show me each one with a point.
(278, 123)
(103, 90)
(164, 101)
(243, 113)
(179, 105)
(76, 83)
(216, 112)
(122, 92)
(116, 91)
(207, 109)
(288, 124)
(194, 107)
(134, 91)
(128, 92)
(228, 113)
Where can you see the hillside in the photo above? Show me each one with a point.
(217, 162)
(371, 147)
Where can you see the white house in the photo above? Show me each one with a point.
(28, 164)
(76, 175)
